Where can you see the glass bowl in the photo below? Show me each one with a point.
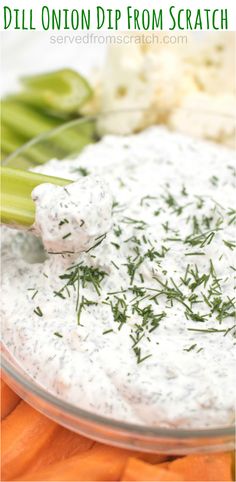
(66, 142)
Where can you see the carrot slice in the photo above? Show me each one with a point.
(64, 444)
(204, 467)
(9, 400)
(149, 458)
(100, 463)
(24, 432)
(137, 470)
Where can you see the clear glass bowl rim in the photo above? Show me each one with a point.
(146, 432)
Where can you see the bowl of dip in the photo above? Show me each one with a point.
(131, 341)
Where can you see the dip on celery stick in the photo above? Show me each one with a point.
(140, 327)
(73, 218)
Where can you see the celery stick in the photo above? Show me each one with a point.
(16, 211)
(62, 91)
(30, 100)
(17, 207)
(25, 120)
(3, 154)
(30, 123)
(72, 139)
(10, 140)
(34, 154)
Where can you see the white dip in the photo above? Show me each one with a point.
(73, 218)
(141, 327)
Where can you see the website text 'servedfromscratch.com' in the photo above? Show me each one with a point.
(102, 39)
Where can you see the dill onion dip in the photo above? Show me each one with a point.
(74, 218)
(141, 327)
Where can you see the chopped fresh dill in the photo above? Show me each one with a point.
(107, 331)
(117, 246)
(207, 330)
(87, 276)
(214, 180)
(38, 311)
(114, 204)
(82, 171)
(66, 236)
(64, 221)
(114, 264)
(195, 253)
(84, 302)
(99, 240)
(232, 216)
(132, 267)
(140, 359)
(230, 244)
(119, 310)
(35, 292)
(201, 239)
(60, 252)
(147, 198)
(173, 239)
(139, 223)
(191, 347)
(184, 191)
(117, 231)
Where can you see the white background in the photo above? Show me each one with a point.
(26, 53)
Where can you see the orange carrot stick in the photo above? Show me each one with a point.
(137, 470)
(204, 467)
(64, 444)
(24, 432)
(9, 400)
(100, 463)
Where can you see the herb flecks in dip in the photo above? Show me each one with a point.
(141, 327)
(74, 218)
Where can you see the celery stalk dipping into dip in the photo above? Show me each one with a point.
(131, 313)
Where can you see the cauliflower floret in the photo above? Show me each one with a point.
(137, 78)
(168, 82)
(207, 116)
(124, 87)
(214, 63)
